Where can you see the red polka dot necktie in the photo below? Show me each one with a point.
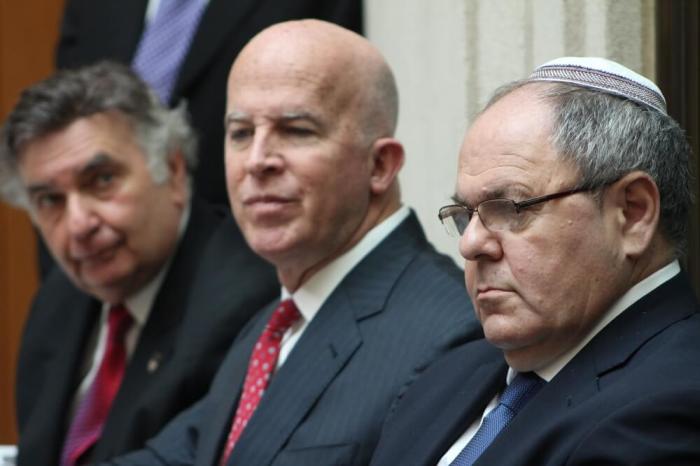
(260, 367)
(92, 411)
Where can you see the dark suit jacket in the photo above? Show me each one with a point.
(197, 312)
(94, 30)
(630, 397)
(403, 305)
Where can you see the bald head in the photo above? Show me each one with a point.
(348, 70)
(311, 162)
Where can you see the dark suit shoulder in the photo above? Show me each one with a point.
(427, 296)
(215, 283)
(57, 327)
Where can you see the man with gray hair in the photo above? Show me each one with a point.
(573, 190)
(151, 286)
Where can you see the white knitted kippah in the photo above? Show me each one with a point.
(604, 75)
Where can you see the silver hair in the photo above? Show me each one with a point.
(55, 103)
(606, 137)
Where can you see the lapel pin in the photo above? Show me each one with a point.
(154, 362)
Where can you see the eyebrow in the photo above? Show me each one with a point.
(98, 161)
(233, 117)
(34, 189)
(243, 117)
(501, 192)
(298, 116)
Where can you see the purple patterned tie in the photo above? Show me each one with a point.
(165, 42)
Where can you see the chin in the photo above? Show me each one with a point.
(505, 337)
(108, 286)
(270, 242)
(269, 252)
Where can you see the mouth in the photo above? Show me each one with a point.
(269, 207)
(95, 257)
(485, 291)
(266, 199)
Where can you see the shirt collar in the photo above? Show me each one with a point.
(311, 295)
(632, 295)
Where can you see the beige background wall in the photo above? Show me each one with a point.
(449, 55)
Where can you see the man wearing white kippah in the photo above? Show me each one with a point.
(573, 189)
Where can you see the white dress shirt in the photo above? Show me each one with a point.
(311, 295)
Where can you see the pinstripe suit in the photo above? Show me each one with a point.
(397, 310)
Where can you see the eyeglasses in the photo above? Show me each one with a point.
(496, 214)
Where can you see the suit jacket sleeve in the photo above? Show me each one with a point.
(180, 437)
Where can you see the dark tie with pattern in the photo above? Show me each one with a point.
(92, 411)
(523, 387)
(260, 367)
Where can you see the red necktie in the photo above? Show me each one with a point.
(92, 411)
(260, 367)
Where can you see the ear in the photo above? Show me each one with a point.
(637, 205)
(387, 160)
(177, 168)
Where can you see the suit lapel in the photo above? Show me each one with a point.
(127, 39)
(222, 400)
(652, 314)
(326, 346)
(219, 18)
(65, 357)
(121, 24)
(469, 397)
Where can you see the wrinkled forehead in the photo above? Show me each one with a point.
(509, 149)
(305, 84)
(274, 89)
(278, 60)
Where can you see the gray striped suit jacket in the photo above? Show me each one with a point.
(397, 310)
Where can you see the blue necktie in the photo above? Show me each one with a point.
(165, 43)
(523, 387)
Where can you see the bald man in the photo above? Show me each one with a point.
(366, 302)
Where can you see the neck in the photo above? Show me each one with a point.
(292, 277)
(659, 254)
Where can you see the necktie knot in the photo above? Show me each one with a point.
(283, 317)
(520, 390)
(118, 322)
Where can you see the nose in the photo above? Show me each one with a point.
(82, 220)
(264, 157)
(479, 243)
